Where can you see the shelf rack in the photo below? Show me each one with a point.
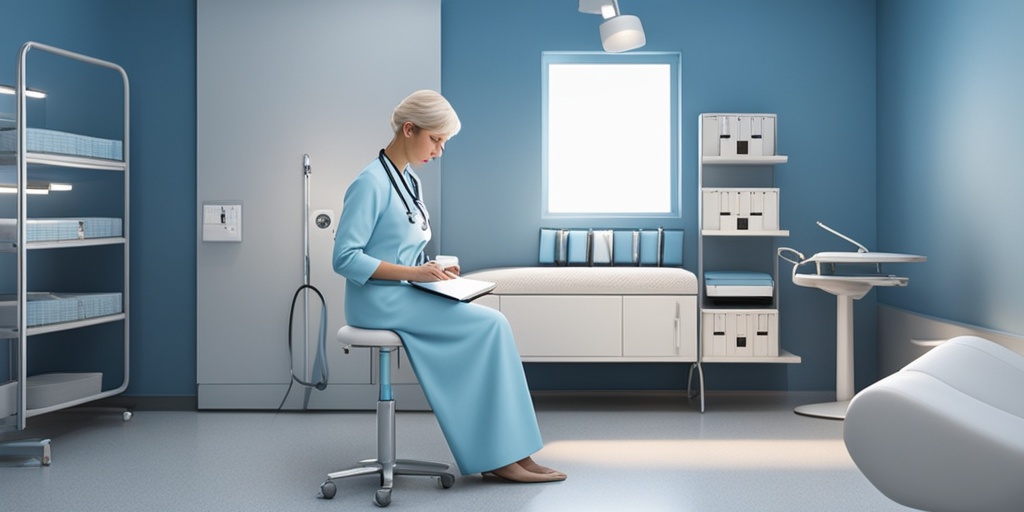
(26, 160)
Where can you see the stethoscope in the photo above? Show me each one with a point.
(384, 161)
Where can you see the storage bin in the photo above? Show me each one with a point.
(734, 135)
(8, 399)
(48, 389)
(59, 229)
(41, 140)
(740, 333)
(48, 308)
(740, 209)
(738, 284)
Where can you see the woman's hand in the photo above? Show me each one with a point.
(431, 271)
(424, 273)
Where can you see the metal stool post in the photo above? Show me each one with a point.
(386, 464)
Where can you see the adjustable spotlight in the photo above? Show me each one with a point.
(619, 32)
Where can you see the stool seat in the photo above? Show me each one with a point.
(359, 337)
(386, 465)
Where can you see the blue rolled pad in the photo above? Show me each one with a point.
(578, 247)
(622, 248)
(649, 250)
(548, 247)
(672, 248)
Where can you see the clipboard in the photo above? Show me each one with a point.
(462, 289)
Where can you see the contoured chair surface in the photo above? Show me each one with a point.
(385, 465)
(945, 433)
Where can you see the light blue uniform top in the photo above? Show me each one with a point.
(464, 355)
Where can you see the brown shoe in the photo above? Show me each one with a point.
(530, 465)
(518, 474)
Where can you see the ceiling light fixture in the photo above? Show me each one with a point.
(619, 32)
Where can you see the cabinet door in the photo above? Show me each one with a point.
(565, 326)
(660, 326)
(490, 300)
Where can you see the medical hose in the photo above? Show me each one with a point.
(320, 371)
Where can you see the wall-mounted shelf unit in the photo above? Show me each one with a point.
(738, 212)
(74, 238)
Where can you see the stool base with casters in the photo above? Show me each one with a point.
(385, 465)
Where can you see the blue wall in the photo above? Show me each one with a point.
(949, 63)
(951, 157)
(155, 43)
(811, 62)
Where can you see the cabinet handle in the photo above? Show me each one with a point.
(679, 342)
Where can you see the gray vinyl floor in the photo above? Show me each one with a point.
(623, 452)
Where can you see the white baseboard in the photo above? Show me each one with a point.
(904, 336)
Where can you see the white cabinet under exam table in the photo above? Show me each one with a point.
(597, 314)
(846, 288)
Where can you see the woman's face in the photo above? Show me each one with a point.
(425, 145)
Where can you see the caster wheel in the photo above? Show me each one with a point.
(382, 497)
(126, 416)
(328, 490)
(446, 481)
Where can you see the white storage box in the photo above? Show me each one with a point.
(49, 389)
(741, 209)
(8, 399)
(738, 135)
(740, 333)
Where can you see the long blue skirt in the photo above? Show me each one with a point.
(466, 361)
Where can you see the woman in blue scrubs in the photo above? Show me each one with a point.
(463, 354)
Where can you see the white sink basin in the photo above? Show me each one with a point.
(853, 286)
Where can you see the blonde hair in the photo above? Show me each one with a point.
(429, 110)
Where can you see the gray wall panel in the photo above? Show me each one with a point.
(275, 81)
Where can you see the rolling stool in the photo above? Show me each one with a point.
(385, 464)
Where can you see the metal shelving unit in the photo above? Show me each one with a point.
(19, 336)
(750, 167)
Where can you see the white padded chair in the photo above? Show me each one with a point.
(945, 433)
(385, 465)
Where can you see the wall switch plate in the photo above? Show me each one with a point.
(222, 221)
